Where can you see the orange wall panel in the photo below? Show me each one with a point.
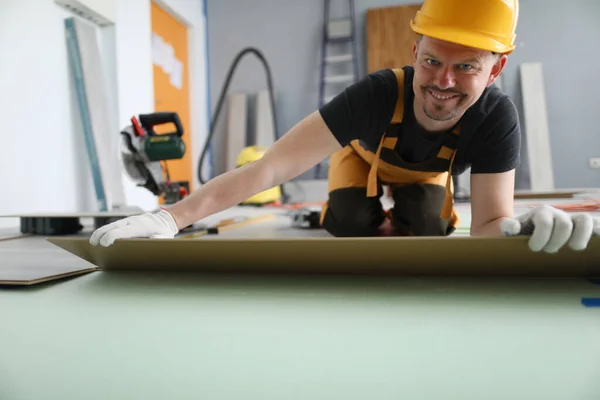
(171, 82)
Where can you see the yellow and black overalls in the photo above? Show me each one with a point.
(422, 191)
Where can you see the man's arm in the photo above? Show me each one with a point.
(305, 145)
(492, 201)
(362, 110)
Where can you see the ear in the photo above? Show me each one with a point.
(415, 52)
(497, 68)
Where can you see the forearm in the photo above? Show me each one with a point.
(306, 144)
(491, 228)
(222, 192)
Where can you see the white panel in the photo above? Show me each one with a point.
(134, 79)
(98, 108)
(198, 60)
(536, 127)
(53, 175)
(264, 120)
(100, 12)
(236, 128)
(105, 8)
(191, 13)
(108, 53)
(39, 164)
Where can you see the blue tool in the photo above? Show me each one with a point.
(591, 301)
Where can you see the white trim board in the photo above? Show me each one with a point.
(93, 101)
(264, 129)
(236, 128)
(536, 127)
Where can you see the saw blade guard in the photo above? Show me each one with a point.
(131, 160)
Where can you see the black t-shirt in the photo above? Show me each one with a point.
(489, 140)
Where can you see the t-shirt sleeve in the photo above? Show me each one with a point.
(499, 144)
(364, 109)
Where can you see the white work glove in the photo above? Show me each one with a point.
(154, 225)
(550, 229)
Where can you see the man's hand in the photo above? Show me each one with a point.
(153, 225)
(550, 229)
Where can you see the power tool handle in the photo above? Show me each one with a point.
(148, 121)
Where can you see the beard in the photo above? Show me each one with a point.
(442, 110)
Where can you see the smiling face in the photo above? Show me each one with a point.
(449, 78)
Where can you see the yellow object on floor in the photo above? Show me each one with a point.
(251, 154)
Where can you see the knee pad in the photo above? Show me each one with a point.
(417, 209)
(351, 213)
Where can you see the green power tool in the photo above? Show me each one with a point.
(143, 153)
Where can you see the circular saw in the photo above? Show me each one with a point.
(143, 153)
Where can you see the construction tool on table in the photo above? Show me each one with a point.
(303, 215)
(226, 225)
(583, 206)
(306, 218)
(144, 152)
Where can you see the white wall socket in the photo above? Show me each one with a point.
(595, 162)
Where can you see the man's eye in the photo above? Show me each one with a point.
(465, 67)
(431, 61)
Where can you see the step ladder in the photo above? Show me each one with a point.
(337, 33)
(342, 33)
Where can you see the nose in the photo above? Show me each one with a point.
(445, 78)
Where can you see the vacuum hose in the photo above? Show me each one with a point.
(222, 95)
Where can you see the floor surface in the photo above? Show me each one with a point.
(168, 335)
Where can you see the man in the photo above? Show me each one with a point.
(408, 129)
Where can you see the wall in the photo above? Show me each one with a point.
(558, 34)
(39, 156)
(136, 94)
(43, 162)
(191, 13)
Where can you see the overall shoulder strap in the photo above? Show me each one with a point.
(387, 142)
(448, 147)
(399, 110)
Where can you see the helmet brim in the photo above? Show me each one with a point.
(476, 40)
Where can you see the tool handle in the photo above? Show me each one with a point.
(148, 121)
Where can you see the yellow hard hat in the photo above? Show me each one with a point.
(482, 24)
